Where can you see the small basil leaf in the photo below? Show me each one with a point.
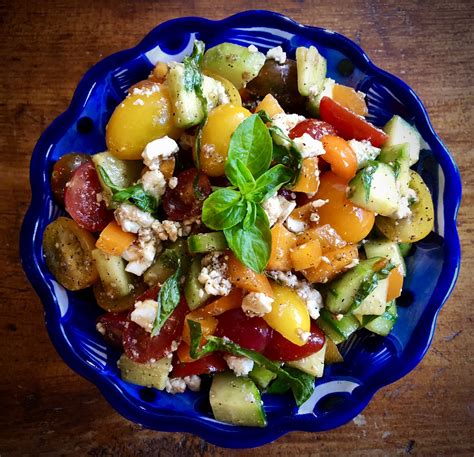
(251, 216)
(241, 177)
(289, 156)
(223, 209)
(269, 183)
(251, 245)
(252, 144)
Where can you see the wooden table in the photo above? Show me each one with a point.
(46, 409)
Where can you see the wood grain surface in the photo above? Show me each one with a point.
(46, 409)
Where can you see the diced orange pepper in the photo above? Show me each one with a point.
(282, 241)
(307, 255)
(225, 303)
(167, 167)
(113, 240)
(308, 180)
(270, 105)
(208, 324)
(332, 263)
(243, 277)
(395, 284)
(340, 156)
(183, 353)
(159, 73)
(352, 100)
(327, 236)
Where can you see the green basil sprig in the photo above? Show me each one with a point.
(301, 384)
(134, 194)
(238, 212)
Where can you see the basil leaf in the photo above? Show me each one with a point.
(366, 177)
(243, 178)
(251, 244)
(251, 216)
(107, 181)
(301, 384)
(193, 77)
(269, 183)
(263, 115)
(252, 144)
(168, 299)
(223, 209)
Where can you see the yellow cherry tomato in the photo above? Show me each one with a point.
(289, 315)
(231, 91)
(220, 125)
(143, 116)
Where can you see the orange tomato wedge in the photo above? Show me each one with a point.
(113, 240)
(395, 284)
(225, 303)
(340, 156)
(243, 277)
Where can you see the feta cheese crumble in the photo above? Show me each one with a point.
(286, 122)
(131, 218)
(141, 253)
(154, 183)
(241, 366)
(364, 151)
(257, 304)
(308, 146)
(277, 209)
(173, 182)
(252, 48)
(213, 275)
(277, 54)
(144, 314)
(193, 383)
(158, 150)
(175, 385)
(295, 225)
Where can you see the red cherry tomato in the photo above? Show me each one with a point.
(63, 170)
(186, 199)
(209, 364)
(313, 127)
(141, 347)
(348, 124)
(248, 332)
(80, 198)
(113, 326)
(279, 348)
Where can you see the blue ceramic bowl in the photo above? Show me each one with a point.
(371, 362)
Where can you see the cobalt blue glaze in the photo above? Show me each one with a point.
(371, 362)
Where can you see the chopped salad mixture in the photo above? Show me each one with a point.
(244, 221)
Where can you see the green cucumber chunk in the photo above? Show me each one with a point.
(398, 157)
(374, 304)
(348, 290)
(338, 330)
(374, 188)
(164, 266)
(311, 69)
(388, 249)
(236, 63)
(405, 248)
(382, 325)
(150, 374)
(122, 173)
(400, 131)
(111, 268)
(261, 376)
(312, 364)
(332, 354)
(193, 290)
(236, 400)
(207, 242)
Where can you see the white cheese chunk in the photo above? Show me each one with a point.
(241, 366)
(175, 385)
(364, 151)
(308, 146)
(144, 314)
(277, 209)
(277, 54)
(257, 304)
(158, 150)
(131, 218)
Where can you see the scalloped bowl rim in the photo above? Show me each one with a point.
(209, 430)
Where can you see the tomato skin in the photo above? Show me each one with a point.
(340, 156)
(186, 199)
(63, 170)
(80, 198)
(279, 348)
(313, 127)
(211, 363)
(248, 332)
(114, 325)
(348, 124)
(141, 347)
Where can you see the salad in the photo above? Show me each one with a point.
(244, 221)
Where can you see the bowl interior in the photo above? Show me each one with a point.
(370, 361)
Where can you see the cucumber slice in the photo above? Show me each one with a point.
(123, 173)
(150, 374)
(207, 242)
(332, 354)
(311, 69)
(348, 291)
(374, 304)
(261, 376)
(374, 188)
(337, 330)
(405, 248)
(387, 249)
(236, 401)
(315, 100)
(312, 364)
(364, 152)
(115, 280)
(233, 62)
(400, 131)
(382, 325)
(398, 157)
(193, 290)
(163, 268)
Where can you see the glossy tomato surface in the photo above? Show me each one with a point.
(111, 326)
(63, 170)
(209, 364)
(313, 127)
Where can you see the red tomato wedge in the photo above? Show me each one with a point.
(313, 127)
(348, 124)
(209, 364)
(112, 326)
(279, 348)
(141, 347)
(248, 332)
(80, 198)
